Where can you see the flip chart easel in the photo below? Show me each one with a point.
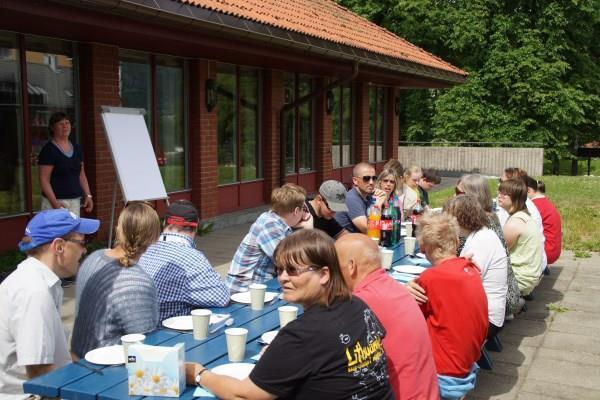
(133, 157)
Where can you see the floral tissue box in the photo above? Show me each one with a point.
(156, 370)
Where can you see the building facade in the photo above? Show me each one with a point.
(239, 97)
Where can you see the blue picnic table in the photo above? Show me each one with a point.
(75, 381)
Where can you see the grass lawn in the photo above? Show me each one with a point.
(577, 199)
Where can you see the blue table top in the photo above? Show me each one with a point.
(74, 381)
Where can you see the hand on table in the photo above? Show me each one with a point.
(416, 291)
(191, 370)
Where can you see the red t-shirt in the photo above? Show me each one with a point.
(456, 313)
(552, 228)
(406, 343)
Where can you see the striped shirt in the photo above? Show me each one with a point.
(252, 261)
(183, 276)
(111, 301)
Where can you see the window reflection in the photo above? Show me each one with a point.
(12, 176)
(376, 123)
(298, 125)
(342, 149)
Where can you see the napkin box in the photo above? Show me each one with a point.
(156, 370)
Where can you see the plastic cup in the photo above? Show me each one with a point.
(128, 340)
(409, 245)
(386, 258)
(409, 230)
(236, 343)
(287, 314)
(257, 296)
(200, 321)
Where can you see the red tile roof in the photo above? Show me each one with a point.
(327, 20)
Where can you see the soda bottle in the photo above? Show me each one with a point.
(417, 211)
(397, 218)
(387, 227)
(374, 222)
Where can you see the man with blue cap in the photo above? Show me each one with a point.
(32, 337)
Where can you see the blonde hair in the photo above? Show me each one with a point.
(138, 228)
(397, 182)
(438, 233)
(409, 171)
(287, 198)
(396, 166)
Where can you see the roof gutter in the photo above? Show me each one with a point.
(296, 103)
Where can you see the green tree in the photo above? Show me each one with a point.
(533, 69)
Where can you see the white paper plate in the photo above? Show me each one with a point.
(244, 297)
(420, 255)
(110, 355)
(234, 370)
(268, 337)
(409, 269)
(185, 323)
(402, 278)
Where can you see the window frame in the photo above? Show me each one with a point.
(380, 92)
(296, 129)
(341, 124)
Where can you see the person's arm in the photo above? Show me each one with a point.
(225, 387)
(341, 233)
(360, 223)
(45, 171)
(380, 197)
(512, 230)
(88, 203)
(205, 286)
(416, 291)
(33, 371)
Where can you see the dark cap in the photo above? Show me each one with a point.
(182, 213)
(334, 194)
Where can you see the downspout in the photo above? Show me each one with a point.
(298, 102)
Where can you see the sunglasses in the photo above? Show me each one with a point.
(367, 179)
(457, 191)
(293, 270)
(82, 242)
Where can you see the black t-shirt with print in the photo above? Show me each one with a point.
(333, 352)
(329, 226)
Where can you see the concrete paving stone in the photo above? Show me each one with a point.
(562, 272)
(575, 321)
(522, 340)
(586, 282)
(587, 360)
(524, 327)
(560, 285)
(572, 342)
(536, 310)
(545, 296)
(508, 369)
(493, 386)
(513, 353)
(560, 388)
(573, 373)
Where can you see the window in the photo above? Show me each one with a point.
(50, 88)
(342, 153)
(298, 125)
(238, 124)
(12, 178)
(377, 124)
(156, 84)
(50, 81)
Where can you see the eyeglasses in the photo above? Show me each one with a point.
(324, 201)
(293, 270)
(81, 242)
(457, 191)
(388, 181)
(367, 179)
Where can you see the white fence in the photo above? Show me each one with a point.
(483, 160)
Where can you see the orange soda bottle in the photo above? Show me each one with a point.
(374, 222)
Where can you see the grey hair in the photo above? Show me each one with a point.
(477, 186)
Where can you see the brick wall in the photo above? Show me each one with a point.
(203, 140)
(362, 122)
(100, 87)
(272, 103)
(323, 136)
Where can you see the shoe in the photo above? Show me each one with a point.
(521, 307)
(529, 297)
(509, 317)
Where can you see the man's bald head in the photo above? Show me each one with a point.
(358, 255)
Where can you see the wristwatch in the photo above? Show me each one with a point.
(88, 195)
(199, 376)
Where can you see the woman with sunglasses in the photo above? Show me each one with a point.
(525, 241)
(114, 295)
(332, 351)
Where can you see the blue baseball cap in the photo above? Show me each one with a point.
(51, 224)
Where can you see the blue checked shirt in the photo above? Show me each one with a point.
(252, 261)
(183, 276)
